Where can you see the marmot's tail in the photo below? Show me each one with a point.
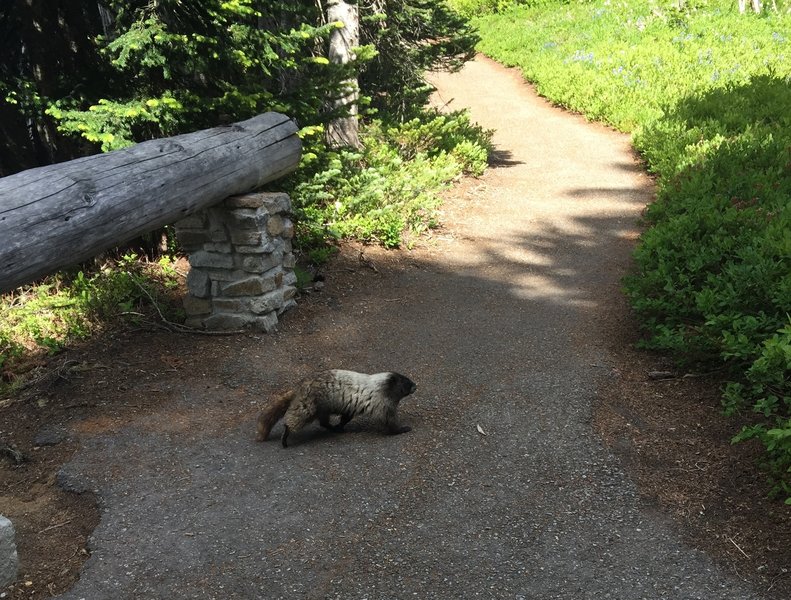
(272, 414)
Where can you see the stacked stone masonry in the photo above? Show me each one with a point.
(241, 263)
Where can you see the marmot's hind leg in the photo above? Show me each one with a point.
(324, 421)
(392, 427)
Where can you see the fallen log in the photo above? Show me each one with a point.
(59, 215)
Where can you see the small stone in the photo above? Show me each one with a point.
(227, 322)
(194, 323)
(218, 234)
(266, 248)
(250, 286)
(267, 323)
(276, 202)
(72, 482)
(194, 221)
(288, 229)
(192, 239)
(660, 375)
(224, 275)
(257, 263)
(9, 560)
(232, 305)
(267, 303)
(50, 435)
(244, 201)
(222, 247)
(211, 260)
(198, 283)
(287, 306)
(276, 225)
(246, 237)
(289, 261)
(196, 306)
(246, 219)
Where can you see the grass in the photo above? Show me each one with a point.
(43, 319)
(706, 93)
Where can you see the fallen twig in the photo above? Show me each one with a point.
(367, 262)
(51, 527)
(176, 327)
(738, 548)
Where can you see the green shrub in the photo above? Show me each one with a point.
(389, 187)
(472, 8)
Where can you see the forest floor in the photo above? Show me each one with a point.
(545, 461)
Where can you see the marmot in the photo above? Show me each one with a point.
(338, 392)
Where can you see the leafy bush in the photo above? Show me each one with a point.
(388, 187)
(706, 93)
(472, 8)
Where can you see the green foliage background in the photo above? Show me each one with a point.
(137, 69)
(706, 93)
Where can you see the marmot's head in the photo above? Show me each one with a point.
(399, 386)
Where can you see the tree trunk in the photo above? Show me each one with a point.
(756, 4)
(343, 131)
(55, 216)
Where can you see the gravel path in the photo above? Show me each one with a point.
(501, 490)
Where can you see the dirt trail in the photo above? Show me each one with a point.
(501, 490)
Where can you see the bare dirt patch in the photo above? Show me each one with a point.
(675, 441)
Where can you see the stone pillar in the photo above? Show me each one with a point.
(242, 266)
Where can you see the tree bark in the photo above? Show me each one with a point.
(59, 215)
(756, 4)
(343, 131)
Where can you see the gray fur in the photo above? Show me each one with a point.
(348, 394)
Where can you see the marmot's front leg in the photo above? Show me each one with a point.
(393, 428)
(284, 437)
